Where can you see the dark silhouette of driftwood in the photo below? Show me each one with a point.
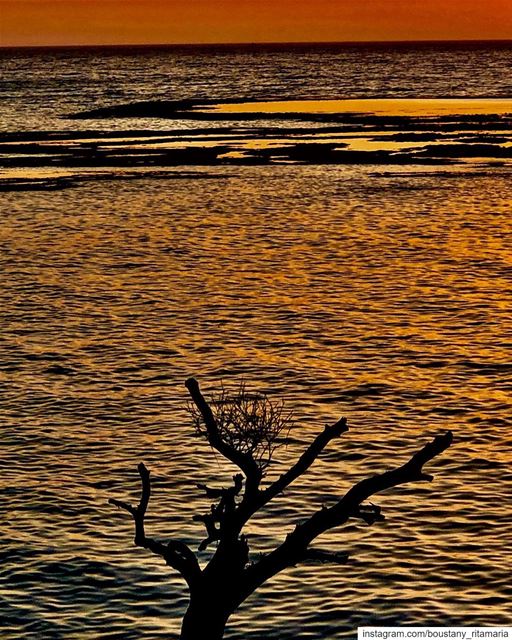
(229, 577)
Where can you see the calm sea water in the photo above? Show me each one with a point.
(39, 87)
(379, 293)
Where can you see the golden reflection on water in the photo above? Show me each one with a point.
(378, 292)
(380, 295)
(382, 107)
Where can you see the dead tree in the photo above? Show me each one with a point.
(240, 433)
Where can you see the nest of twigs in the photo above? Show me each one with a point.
(251, 423)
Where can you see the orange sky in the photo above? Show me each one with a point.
(41, 22)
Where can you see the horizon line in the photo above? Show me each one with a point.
(147, 45)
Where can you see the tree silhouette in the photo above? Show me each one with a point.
(246, 430)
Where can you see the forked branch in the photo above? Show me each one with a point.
(295, 546)
(305, 461)
(243, 460)
(175, 553)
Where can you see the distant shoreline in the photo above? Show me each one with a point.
(381, 44)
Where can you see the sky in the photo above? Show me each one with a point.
(77, 22)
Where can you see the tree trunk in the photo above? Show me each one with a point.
(205, 619)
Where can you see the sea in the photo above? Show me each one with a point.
(376, 287)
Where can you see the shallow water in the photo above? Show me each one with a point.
(378, 295)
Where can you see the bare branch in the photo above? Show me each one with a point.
(227, 494)
(296, 543)
(219, 513)
(176, 554)
(212, 532)
(243, 460)
(123, 505)
(305, 461)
